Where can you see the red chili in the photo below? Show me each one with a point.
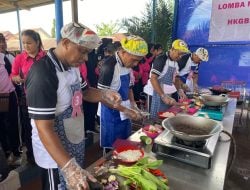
(157, 172)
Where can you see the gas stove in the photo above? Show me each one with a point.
(198, 153)
(212, 112)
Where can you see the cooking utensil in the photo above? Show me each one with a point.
(218, 91)
(214, 100)
(152, 133)
(166, 114)
(178, 127)
(124, 142)
(119, 154)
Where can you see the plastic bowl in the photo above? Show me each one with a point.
(150, 133)
(160, 114)
(121, 149)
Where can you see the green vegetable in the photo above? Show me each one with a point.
(138, 174)
(146, 163)
(145, 184)
(160, 184)
(146, 140)
(135, 175)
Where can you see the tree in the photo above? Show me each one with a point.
(107, 29)
(163, 23)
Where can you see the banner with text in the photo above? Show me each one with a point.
(230, 21)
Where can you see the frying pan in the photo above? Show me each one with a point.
(203, 125)
(214, 100)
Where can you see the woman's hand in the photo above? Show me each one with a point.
(17, 80)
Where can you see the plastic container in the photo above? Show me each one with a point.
(121, 149)
(161, 114)
(150, 133)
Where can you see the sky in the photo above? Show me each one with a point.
(90, 13)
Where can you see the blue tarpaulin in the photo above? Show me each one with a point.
(227, 60)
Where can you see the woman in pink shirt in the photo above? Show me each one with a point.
(33, 51)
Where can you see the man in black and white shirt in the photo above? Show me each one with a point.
(163, 78)
(189, 68)
(54, 95)
(116, 74)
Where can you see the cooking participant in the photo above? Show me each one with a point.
(116, 74)
(189, 67)
(54, 93)
(163, 80)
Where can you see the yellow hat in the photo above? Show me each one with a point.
(180, 45)
(134, 45)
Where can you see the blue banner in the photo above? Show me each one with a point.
(227, 60)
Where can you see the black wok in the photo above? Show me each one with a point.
(214, 100)
(219, 91)
(191, 128)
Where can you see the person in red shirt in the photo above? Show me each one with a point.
(33, 51)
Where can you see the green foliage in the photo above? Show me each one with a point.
(163, 23)
(107, 29)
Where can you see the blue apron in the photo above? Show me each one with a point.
(157, 104)
(70, 131)
(112, 127)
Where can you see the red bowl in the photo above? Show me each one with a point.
(150, 133)
(121, 149)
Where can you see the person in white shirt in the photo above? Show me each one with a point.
(189, 68)
(55, 91)
(166, 88)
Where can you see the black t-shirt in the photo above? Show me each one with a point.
(107, 73)
(111, 71)
(183, 61)
(42, 86)
(159, 64)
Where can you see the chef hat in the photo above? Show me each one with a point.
(134, 45)
(180, 45)
(80, 34)
(202, 53)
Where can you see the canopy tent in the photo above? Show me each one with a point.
(17, 5)
(12, 5)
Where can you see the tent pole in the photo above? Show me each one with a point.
(74, 9)
(19, 28)
(59, 19)
(153, 22)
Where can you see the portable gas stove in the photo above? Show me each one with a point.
(198, 153)
(213, 112)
